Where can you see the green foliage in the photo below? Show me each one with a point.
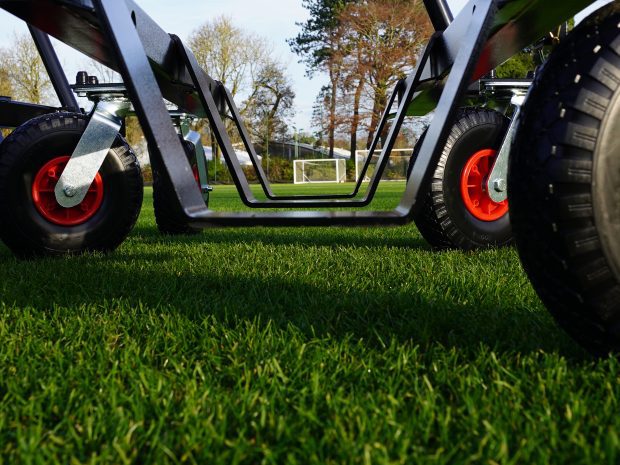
(313, 42)
(147, 174)
(292, 346)
(517, 67)
(278, 170)
(218, 172)
(351, 170)
(270, 104)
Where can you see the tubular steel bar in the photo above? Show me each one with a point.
(117, 33)
(439, 13)
(141, 83)
(437, 135)
(54, 70)
(404, 91)
(199, 77)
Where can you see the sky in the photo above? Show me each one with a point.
(274, 19)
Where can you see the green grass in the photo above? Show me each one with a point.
(300, 346)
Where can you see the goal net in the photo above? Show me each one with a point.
(328, 170)
(396, 169)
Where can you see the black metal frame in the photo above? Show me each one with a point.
(155, 66)
(439, 13)
(155, 121)
(50, 60)
(326, 201)
(14, 113)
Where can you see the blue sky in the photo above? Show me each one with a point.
(274, 19)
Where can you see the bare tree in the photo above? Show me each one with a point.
(352, 84)
(6, 88)
(104, 74)
(228, 53)
(270, 103)
(384, 39)
(26, 72)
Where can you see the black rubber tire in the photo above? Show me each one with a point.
(25, 152)
(170, 219)
(444, 220)
(564, 183)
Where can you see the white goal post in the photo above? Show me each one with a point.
(323, 171)
(396, 169)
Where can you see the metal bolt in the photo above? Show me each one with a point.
(499, 185)
(70, 191)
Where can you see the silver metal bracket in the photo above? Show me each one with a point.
(497, 184)
(201, 160)
(90, 153)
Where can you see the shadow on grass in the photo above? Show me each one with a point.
(320, 237)
(146, 282)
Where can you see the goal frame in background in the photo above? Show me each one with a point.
(340, 171)
(361, 155)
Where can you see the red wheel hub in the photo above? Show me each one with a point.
(474, 189)
(45, 201)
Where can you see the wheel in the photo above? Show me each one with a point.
(32, 223)
(564, 183)
(457, 211)
(170, 219)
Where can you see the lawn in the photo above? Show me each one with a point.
(292, 346)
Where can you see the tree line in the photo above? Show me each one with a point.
(363, 46)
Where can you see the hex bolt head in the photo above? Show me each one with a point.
(70, 191)
(499, 185)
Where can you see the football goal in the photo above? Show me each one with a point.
(396, 169)
(329, 170)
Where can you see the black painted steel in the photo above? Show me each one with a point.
(517, 25)
(405, 89)
(77, 24)
(122, 34)
(58, 77)
(134, 66)
(217, 125)
(455, 88)
(439, 13)
(14, 114)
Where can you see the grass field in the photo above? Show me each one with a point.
(292, 346)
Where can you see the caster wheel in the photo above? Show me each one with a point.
(457, 211)
(32, 223)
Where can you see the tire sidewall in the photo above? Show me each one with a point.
(31, 232)
(606, 185)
